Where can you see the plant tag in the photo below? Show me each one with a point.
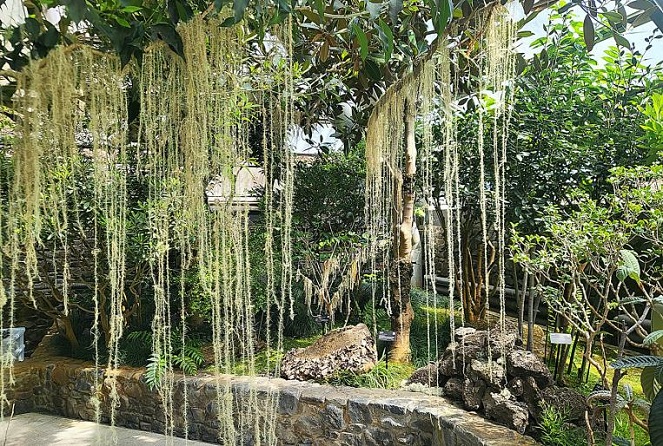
(560, 338)
(388, 336)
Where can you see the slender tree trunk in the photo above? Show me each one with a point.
(530, 315)
(401, 275)
(612, 412)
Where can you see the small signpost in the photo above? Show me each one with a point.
(559, 339)
(321, 318)
(386, 336)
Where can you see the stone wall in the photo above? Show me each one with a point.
(307, 413)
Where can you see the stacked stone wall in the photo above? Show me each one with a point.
(307, 413)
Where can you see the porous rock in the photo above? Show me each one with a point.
(428, 375)
(523, 364)
(454, 388)
(504, 410)
(473, 392)
(531, 395)
(567, 401)
(350, 348)
(515, 386)
(491, 373)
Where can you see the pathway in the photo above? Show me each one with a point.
(47, 430)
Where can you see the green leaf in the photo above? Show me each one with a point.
(621, 40)
(395, 8)
(656, 420)
(444, 9)
(373, 9)
(629, 267)
(639, 19)
(77, 10)
(32, 26)
(122, 22)
(640, 4)
(387, 40)
(131, 9)
(239, 6)
(363, 41)
(641, 361)
(525, 33)
(373, 70)
(621, 273)
(50, 38)
(613, 17)
(588, 33)
(649, 380)
(653, 337)
(168, 34)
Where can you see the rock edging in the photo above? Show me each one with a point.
(307, 413)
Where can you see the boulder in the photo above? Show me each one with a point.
(461, 332)
(428, 375)
(454, 389)
(531, 395)
(447, 368)
(501, 408)
(473, 345)
(567, 401)
(515, 386)
(473, 392)
(501, 343)
(491, 373)
(349, 348)
(523, 364)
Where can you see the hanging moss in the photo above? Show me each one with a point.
(195, 114)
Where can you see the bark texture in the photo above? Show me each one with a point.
(400, 276)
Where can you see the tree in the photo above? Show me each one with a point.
(368, 45)
(571, 122)
(600, 260)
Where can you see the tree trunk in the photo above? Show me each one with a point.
(69, 332)
(531, 314)
(400, 278)
(402, 313)
(521, 298)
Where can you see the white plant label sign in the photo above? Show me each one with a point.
(560, 338)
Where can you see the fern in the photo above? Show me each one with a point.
(142, 336)
(195, 353)
(188, 358)
(186, 364)
(638, 362)
(155, 369)
(653, 337)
